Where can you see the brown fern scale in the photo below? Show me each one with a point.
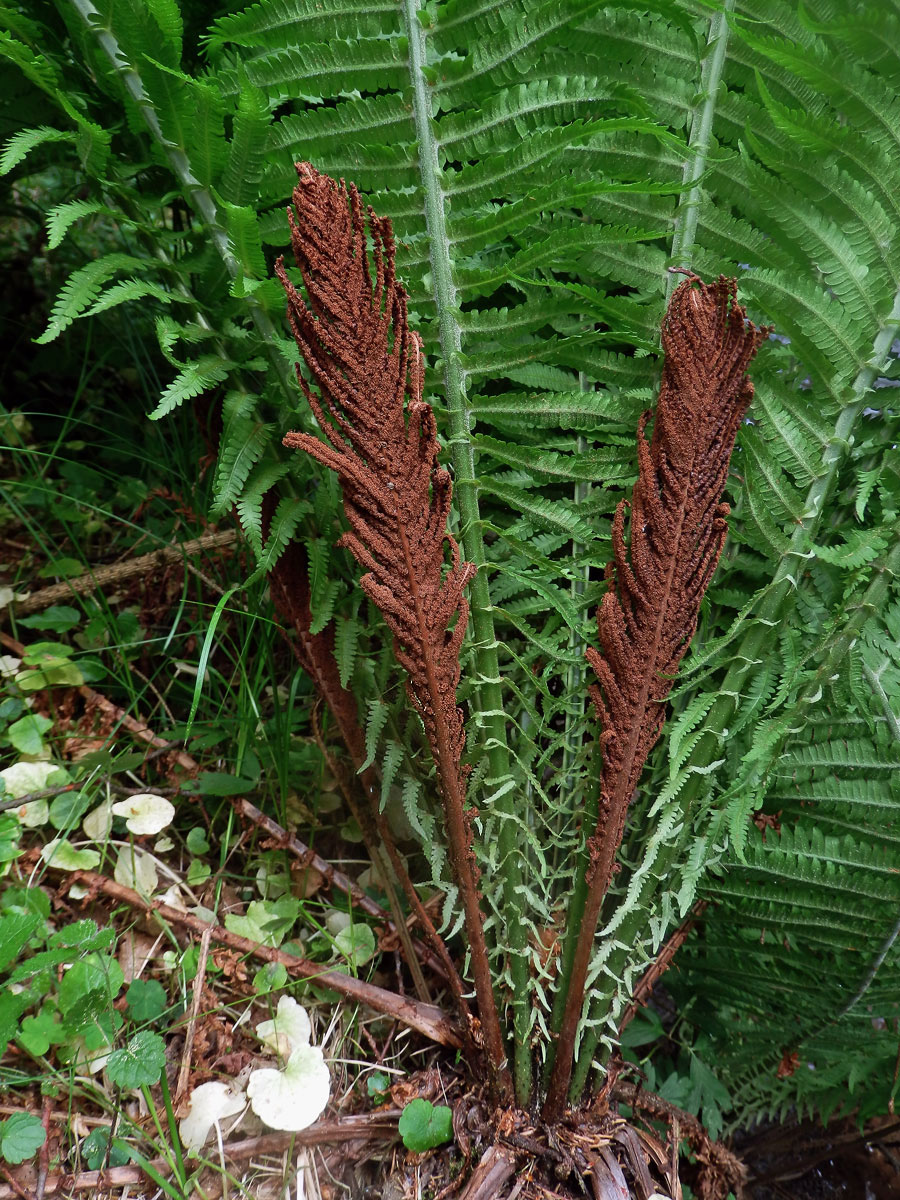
(677, 530)
(368, 367)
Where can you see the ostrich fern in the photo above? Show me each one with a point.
(543, 164)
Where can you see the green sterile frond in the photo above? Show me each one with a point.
(244, 441)
(569, 410)
(379, 120)
(281, 529)
(555, 516)
(828, 342)
(856, 548)
(500, 46)
(20, 145)
(82, 288)
(793, 428)
(62, 217)
(128, 290)
(511, 113)
(322, 69)
(839, 252)
(589, 465)
(280, 24)
(247, 148)
(170, 22)
(192, 380)
(593, 246)
(244, 238)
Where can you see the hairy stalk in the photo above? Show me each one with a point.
(354, 337)
(698, 143)
(654, 588)
(487, 693)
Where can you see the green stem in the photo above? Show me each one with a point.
(173, 1128)
(487, 693)
(163, 1140)
(698, 144)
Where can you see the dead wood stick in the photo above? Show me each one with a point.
(498, 1164)
(334, 878)
(199, 981)
(138, 729)
(660, 965)
(380, 1126)
(113, 573)
(426, 1019)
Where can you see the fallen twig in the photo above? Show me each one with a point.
(114, 573)
(727, 1170)
(199, 980)
(364, 1127)
(426, 1019)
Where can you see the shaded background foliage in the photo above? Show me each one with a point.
(542, 164)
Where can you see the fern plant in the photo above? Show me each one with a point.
(543, 164)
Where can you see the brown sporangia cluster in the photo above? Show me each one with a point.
(677, 530)
(367, 366)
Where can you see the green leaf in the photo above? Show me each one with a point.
(67, 809)
(16, 931)
(219, 783)
(356, 943)
(63, 856)
(21, 1136)
(38, 1033)
(94, 1150)
(146, 1000)
(65, 568)
(423, 1125)
(196, 840)
(270, 977)
(59, 618)
(378, 1087)
(23, 142)
(26, 734)
(140, 1063)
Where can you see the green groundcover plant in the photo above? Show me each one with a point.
(541, 166)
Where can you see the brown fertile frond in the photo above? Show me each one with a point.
(367, 364)
(655, 585)
(368, 367)
(677, 529)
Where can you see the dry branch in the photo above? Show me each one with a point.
(426, 1019)
(116, 573)
(354, 336)
(376, 1126)
(655, 585)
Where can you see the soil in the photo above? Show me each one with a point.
(807, 1162)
